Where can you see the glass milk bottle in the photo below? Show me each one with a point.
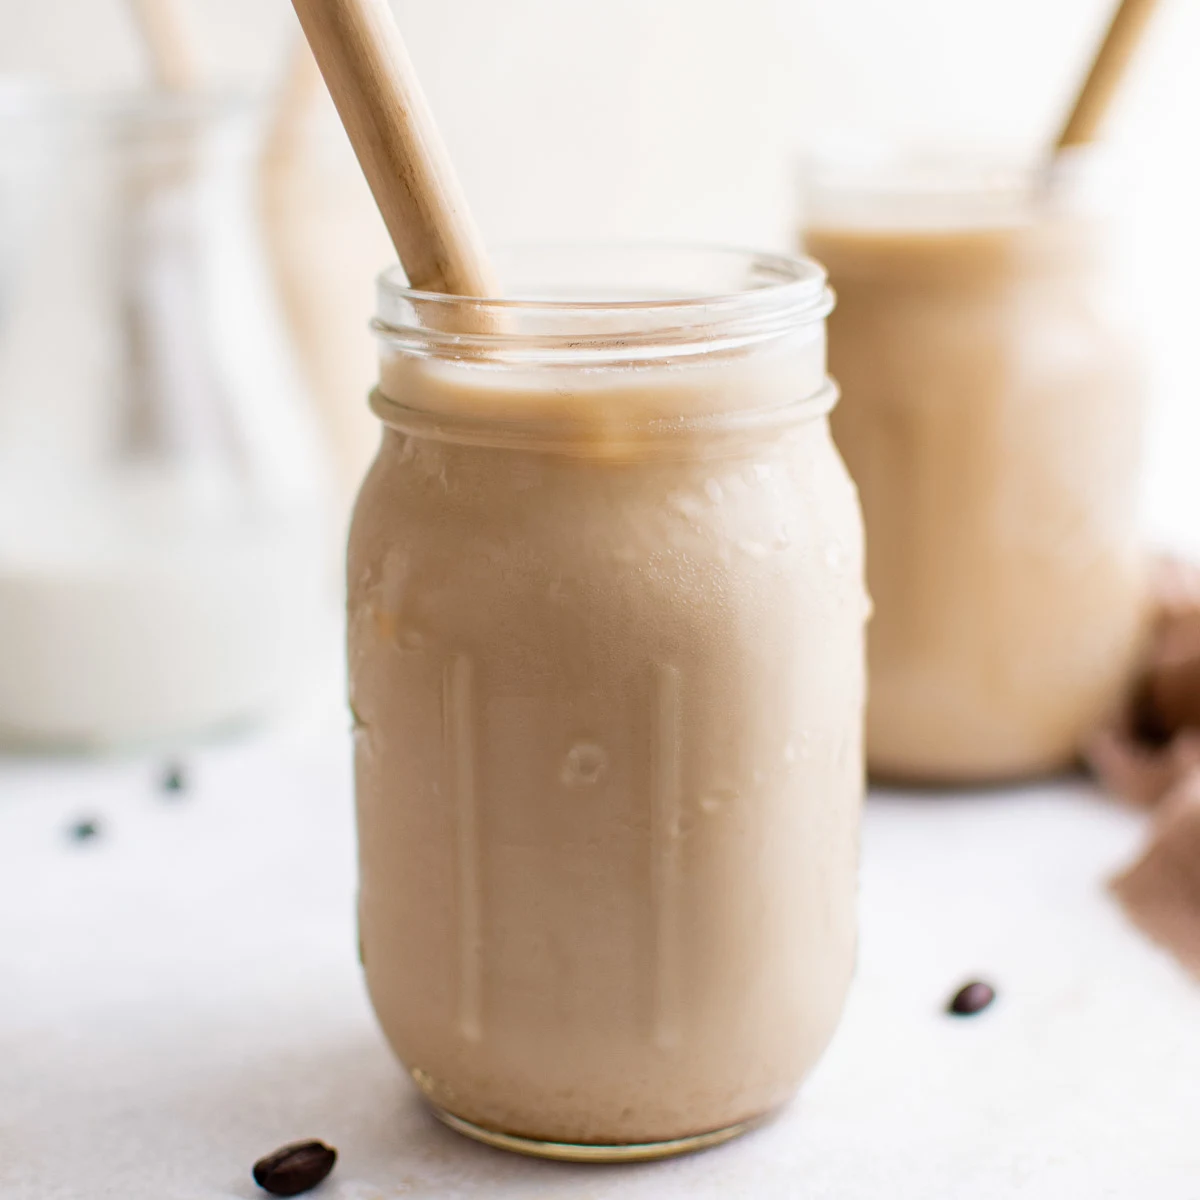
(606, 665)
(163, 564)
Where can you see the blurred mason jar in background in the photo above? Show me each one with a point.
(994, 395)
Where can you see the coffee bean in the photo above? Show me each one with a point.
(84, 831)
(173, 779)
(970, 999)
(294, 1168)
(1145, 720)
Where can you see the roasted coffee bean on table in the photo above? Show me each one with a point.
(970, 999)
(294, 1168)
(173, 778)
(85, 830)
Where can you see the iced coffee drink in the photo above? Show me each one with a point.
(606, 651)
(991, 417)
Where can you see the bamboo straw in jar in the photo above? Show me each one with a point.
(381, 104)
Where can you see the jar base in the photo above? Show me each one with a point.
(595, 1153)
(949, 781)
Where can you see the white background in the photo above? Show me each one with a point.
(150, 1051)
(680, 116)
(684, 118)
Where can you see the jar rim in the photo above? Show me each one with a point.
(939, 167)
(610, 301)
(796, 274)
(874, 181)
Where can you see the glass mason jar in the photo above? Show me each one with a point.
(606, 664)
(992, 418)
(163, 494)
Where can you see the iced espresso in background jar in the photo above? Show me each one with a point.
(991, 416)
(606, 655)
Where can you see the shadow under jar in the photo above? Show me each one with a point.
(606, 618)
(991, 417)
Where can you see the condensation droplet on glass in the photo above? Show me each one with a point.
(423, 1080)
(682, 825)
(584, 765)
(841, 756)
(360, 732)
(687, 506)
(385, 624)
(753, 549)
(717, 800)
(713, 490)
(411, 639)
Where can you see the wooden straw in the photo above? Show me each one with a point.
(1108, 69)
(373, 85)
(167, 43)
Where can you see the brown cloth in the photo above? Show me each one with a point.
(1151, 757)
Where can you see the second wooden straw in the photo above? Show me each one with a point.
(1108, 69)
(167, 43)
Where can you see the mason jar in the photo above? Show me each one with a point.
(606, 619)
(992, 419)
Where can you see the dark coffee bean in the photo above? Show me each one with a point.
(972, 998)
(294, 1168)
(173, 779)
(1145, 719)
(84, 831)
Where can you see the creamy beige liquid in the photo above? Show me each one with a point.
(991, 417)
(608, 697)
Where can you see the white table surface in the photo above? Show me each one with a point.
(181, 994)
